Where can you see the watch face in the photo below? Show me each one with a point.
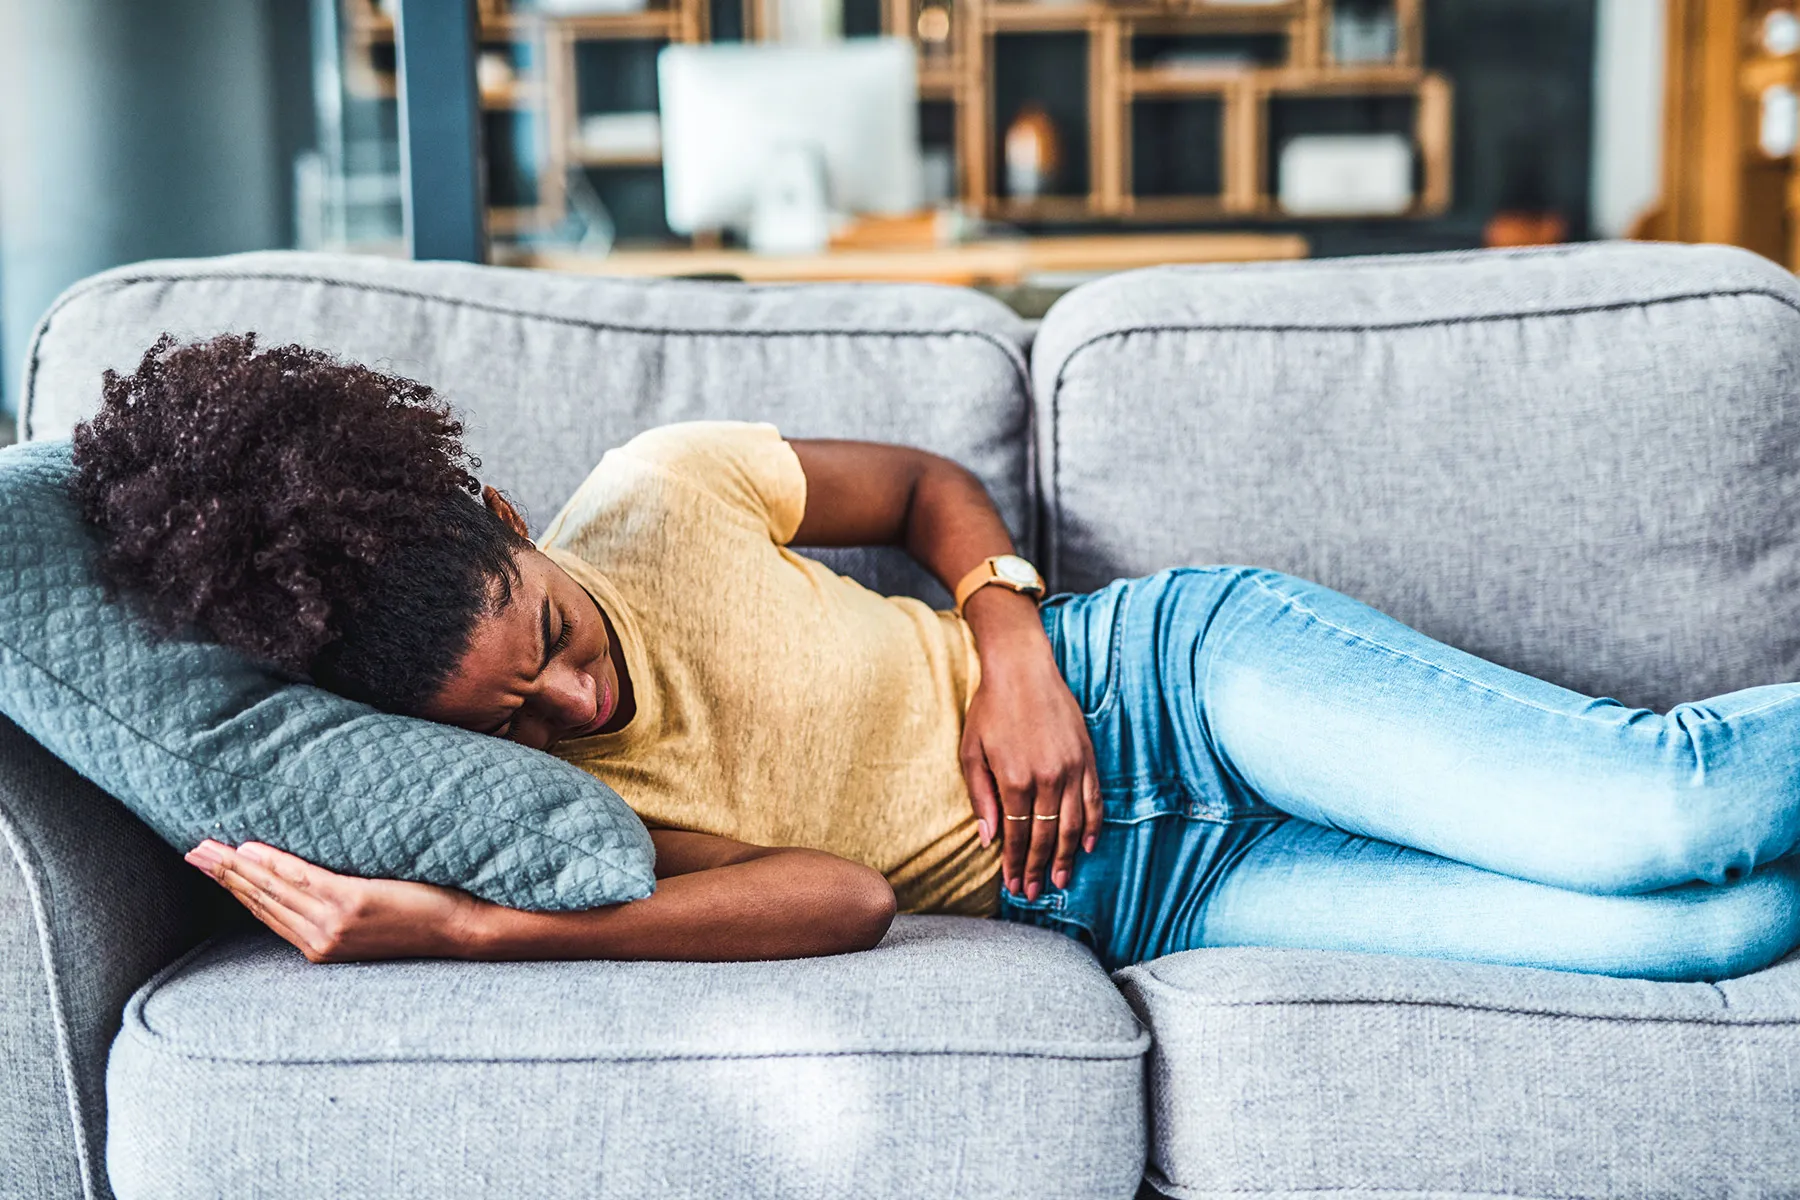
(1014, 569)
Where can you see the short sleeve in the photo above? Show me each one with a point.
(749, 467)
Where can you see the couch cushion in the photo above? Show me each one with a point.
(1583, 463)
(960, 1058)
(1298, 1073)
(551, 370)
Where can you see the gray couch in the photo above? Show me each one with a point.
(1584, 463)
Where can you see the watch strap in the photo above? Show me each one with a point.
(984, 573)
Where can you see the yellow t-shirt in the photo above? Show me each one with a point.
(778, 702)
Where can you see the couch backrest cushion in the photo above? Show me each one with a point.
(551, 370)
(1583, 463)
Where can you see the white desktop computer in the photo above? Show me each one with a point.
(779, 142)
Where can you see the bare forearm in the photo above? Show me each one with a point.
(951, 527)
(780, 904)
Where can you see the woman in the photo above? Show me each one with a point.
(1214, 756)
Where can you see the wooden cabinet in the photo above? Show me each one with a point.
(1731, 118)
(1168, 111)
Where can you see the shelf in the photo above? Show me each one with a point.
(524, 93)
(506, 221)
(648, 25)
(602, 158)
(1282, 8)
(1332, 81)
(1043, 208)
(1341, 81)
(938, 81)
(1043, 17)
(1759, 73)
(1223, 18)
(1175, 208)
(1184, 81)
(376, 27)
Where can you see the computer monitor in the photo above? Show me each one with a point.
(736, 117)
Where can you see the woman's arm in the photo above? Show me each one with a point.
(718, 900)
(1025, 745)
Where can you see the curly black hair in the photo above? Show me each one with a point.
(315, 514)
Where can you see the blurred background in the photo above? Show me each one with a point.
(1016, 145)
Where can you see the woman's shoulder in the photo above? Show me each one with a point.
(688, 477)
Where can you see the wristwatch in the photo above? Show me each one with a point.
(1007, 570)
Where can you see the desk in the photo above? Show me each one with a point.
(997, 262)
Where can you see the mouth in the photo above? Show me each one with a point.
(603, 711)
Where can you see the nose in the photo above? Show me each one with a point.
(569, 698)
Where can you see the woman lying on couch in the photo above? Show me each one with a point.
(1212, 756)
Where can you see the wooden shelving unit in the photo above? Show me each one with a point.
(1726, 60)
(1123, 77)
(1118, 80)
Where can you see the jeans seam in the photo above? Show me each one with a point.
(1109, 691)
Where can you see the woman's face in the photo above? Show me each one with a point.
(541, 670)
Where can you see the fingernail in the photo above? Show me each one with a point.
(1088, 844)
(1012, 885)
(1031, 890)
(1061, 879)
(986, 831)
(251, 851)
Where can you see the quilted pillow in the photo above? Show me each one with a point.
(201, 742)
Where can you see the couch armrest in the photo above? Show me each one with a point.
(91, 904)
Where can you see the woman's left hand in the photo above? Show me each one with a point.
(1029, 764)
(339, 918)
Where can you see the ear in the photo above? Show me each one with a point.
(509, 516)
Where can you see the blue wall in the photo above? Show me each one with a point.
(133, 129)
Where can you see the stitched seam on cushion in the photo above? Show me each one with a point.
(1430, 322)
(209, 769)
(136, 1025)
(38, 887)
(1054, 501)
(1021, 369)
(1176, 1191)
(1432, 260)
(1120, 1052)
(1150, 981)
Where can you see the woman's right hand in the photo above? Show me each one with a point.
(341, 918)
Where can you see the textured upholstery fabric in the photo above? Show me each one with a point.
(91, 905)
(1582, 463)
(962, 1057)
(200, 742)
(1294, 1073)
(551, 370)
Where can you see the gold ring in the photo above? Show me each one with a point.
(1046, 816)
(1010, 817)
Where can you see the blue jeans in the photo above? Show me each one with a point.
(1284, 766)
